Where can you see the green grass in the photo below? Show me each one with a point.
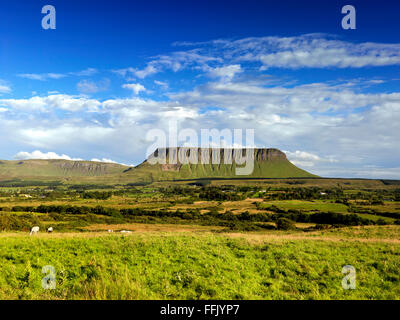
(375, 232)
(57, 169)
(376, 218)
(166, 266)
(320, 205)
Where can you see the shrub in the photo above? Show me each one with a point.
(285, 224)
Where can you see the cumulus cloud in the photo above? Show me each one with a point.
(307, 159)
(38, 155)
(67, 135)
(58, 101)
(32, 104)
(105, 160)
(334, 119)
(327, 120)
(225, 73)
(135, 87)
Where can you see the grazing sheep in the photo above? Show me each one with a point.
(34, 230)
(125, 231)
(49, 230)
(110, 231)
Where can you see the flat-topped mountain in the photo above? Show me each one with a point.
(195, 163)
(180, 164)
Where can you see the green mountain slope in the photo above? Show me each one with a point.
(57, 169)
(268, 163)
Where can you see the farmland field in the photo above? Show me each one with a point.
(202, 265)
(205, 241)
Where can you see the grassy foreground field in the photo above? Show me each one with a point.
(198, 264)
(205, 239)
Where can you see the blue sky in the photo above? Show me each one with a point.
(113, 70)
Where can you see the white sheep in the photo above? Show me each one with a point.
(49, 230)
(34, 230)
(110, 231)
(125, 231)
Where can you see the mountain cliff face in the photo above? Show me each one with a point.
(195, 163)
(209, 155)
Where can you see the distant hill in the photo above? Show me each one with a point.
(268, 163)
(57, 169)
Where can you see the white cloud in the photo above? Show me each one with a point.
(135, 87)
(70, 103)
(45, 104)
(55, 76)
(32, 104)
(124, 72)
(332, 120)
(307, 159)
(4, 88)
(87, 86)
(221, 58)
(85, 73)
(163, 84)
(105, 160)
(149, 70)
(176, 61)
(41, 76)
(305, 51)
(225, 73)
(38, 155)
(66, 135)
